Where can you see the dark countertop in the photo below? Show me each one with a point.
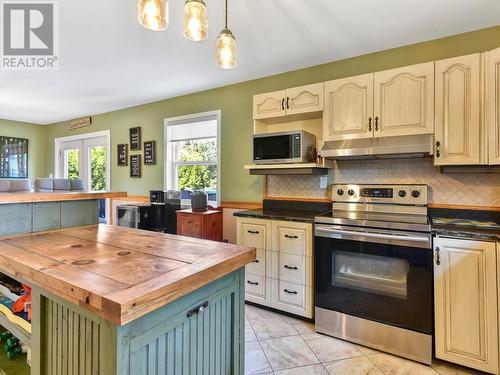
(466, 224)
(299, 211)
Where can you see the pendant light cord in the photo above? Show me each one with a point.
(226, 14)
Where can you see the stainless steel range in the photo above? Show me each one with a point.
(373, 269)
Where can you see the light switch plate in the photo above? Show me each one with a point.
(323, 182)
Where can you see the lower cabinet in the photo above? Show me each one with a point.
(282, 273)
(206, 224)
(466, 303)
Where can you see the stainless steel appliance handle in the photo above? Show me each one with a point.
(372, 235)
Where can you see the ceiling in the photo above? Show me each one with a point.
(108, 61)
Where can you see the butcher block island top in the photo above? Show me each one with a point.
(33, 197)
(118, 273)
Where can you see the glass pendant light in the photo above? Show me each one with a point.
(195, 20)
(153, 14)
(226, 48)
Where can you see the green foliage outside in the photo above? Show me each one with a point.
(97, 166)
(197, 177)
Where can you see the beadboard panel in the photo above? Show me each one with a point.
(470, 189)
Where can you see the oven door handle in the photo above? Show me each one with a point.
(371, 235)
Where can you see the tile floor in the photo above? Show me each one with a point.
(280, 345)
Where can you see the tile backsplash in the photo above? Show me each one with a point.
(460, 189)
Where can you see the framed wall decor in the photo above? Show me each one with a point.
(135, 166)
(13, 157)
(122, 155)
(150, 153)
(135, 138)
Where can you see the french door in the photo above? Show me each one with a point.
(86, 159)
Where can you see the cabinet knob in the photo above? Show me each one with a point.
(438, 149)
(438, 256)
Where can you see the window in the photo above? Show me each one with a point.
(192, 155)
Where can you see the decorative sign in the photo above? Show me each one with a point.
(135, 166)
(135, 139)
(80, 123)
(150, 153)
(13, 157)
(123, 155)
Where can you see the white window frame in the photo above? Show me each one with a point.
(170, 182)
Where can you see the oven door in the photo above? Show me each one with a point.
(379, 275)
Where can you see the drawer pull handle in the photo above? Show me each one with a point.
(253, 231)
(291, 267)
(292, 237)
(252, 282)
(256, 261)
(289, 291)
(197, 310)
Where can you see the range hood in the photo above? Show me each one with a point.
(380, 148)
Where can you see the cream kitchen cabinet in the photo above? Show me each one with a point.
(404, 101)
(389, 103)
(493, 104)
(348, 110)
(293, 101)
(458, 111)
(282, 275)
(466, 303)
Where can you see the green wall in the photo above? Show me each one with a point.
(235, 101)
(36, 134)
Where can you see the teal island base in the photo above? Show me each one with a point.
(200, 333)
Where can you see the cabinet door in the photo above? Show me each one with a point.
(304, 99)
(458, 139)
(404, 101)
(493, 104)
(466, 303)
(189, 225)
(269, 105)
(348, 108)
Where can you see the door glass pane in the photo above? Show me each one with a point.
(371, 273)
(97, 168)
(72, 164)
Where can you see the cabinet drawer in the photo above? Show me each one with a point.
(291, 240)
(293, 298)
(291, 268)
(255, 285)
(190, 226)
(253, 235)
(258, 266)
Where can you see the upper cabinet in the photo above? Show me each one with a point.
(383, 104)
(458, 121)
(269, 105)
(493, 104)
(348, 108)
(404, 101)
(294, 101)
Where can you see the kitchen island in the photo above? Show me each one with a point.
(112, 300)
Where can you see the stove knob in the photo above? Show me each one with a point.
(402, 193)
(350, 192)
(415, 194)
(340, 192)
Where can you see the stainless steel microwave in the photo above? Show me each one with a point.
(284, 147)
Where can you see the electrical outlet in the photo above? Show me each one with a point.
(323, 182)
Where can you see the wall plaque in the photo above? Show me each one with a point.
(123, 155)
(135, 166)
(150, 153)
(135, 139)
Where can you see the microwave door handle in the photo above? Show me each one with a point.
(374, 235)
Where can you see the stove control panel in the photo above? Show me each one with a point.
(396, 194)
